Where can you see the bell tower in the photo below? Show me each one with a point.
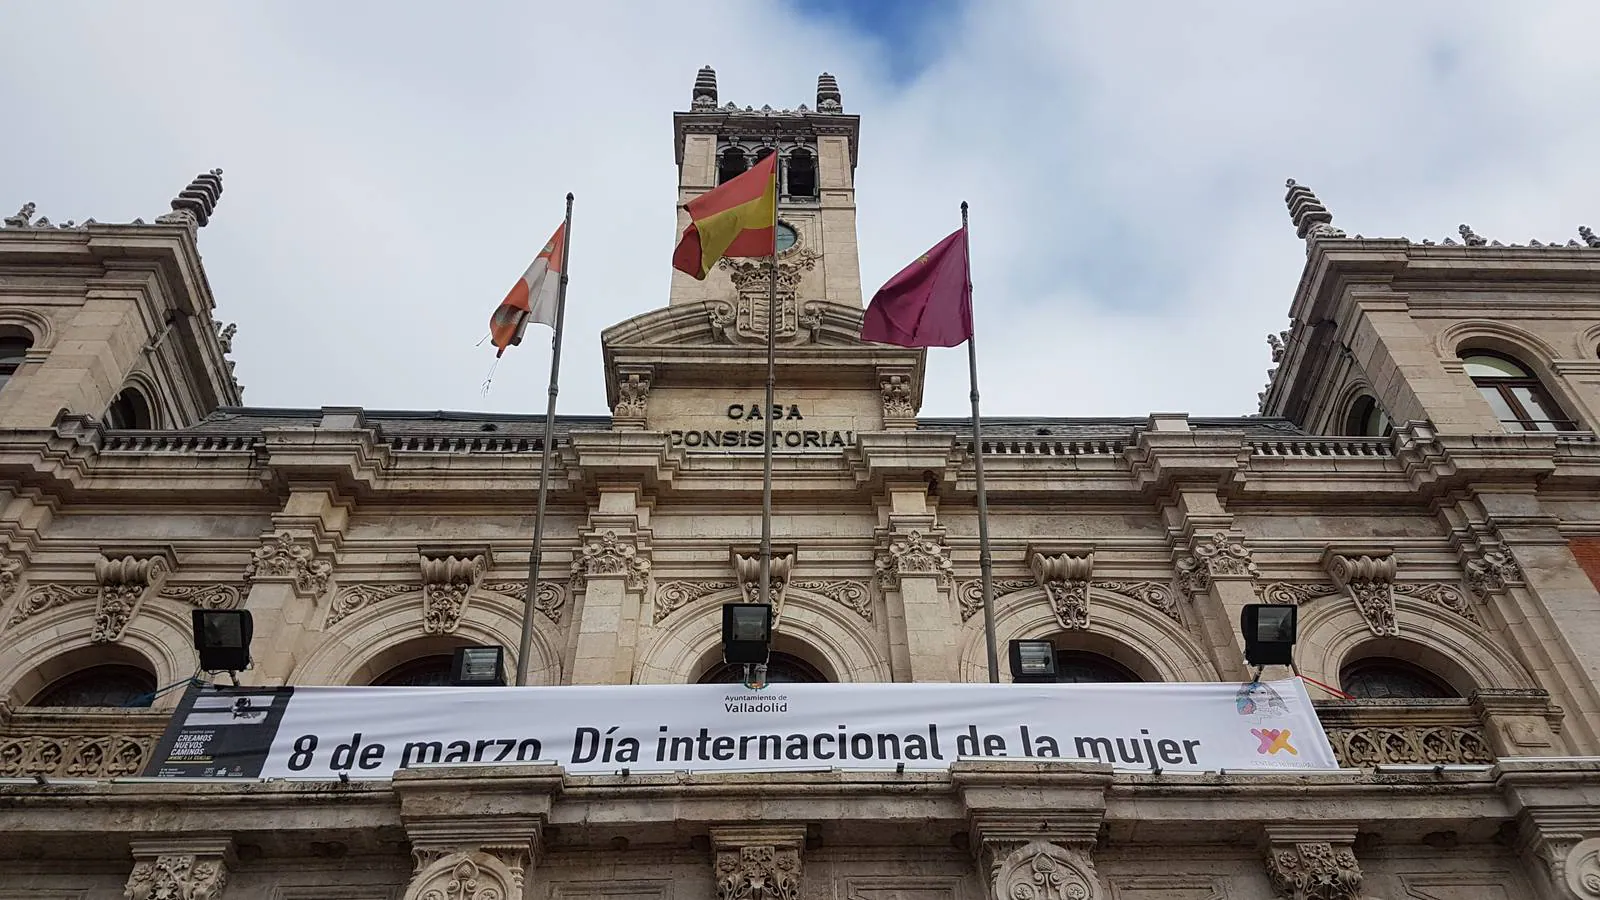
(817, 256)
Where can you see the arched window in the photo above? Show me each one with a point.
(129, 410)
(112, 685)
(1385, 678)
(425, 671)
(1519, 401)
(731, 163)
(13, 350)
(1367, 419)
(782, 668)
(1084, 667)
(800, 173)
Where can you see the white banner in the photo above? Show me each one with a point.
(312, 732)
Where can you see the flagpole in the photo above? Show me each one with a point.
(985, 560)
(530, 598)
(772, 383)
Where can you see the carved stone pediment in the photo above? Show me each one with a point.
(731, 322)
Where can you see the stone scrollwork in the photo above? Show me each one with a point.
(1065, 580)
(283, 558)
(1492, 573)
(203, 596)
(447, 582)
(674, 595)
(1314, 870)
(49, 596)
(359, 596)
(1038, 870)
(1582, 869)
(633, 395)
(747, 569)
(610, 554)
(852, 595)
(1358, 746)
(1442, 595)
(124, 583)
(1369, 582)
(90, 755)
(1218, 555)
(759, 872)
(464, 876)
(897, 399)
(913, 554)
(177, 876)
(1288, 593)
(1157, 596)
(550, 599)
(970, 594)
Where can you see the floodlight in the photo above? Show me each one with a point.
(746, 632)
(478, 667)
(1033, 661)
(222, 638)
(1269, 633)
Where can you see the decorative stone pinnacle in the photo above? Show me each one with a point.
(828, 96)
(1310, 217)
(1471, 237)
(196, 202)
(24, 217)
(704, 95)
(1584, 232)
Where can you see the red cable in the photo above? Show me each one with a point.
(1332, 690)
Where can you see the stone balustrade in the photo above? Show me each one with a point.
(78, 742)
(1367, 733)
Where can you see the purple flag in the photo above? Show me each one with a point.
(929, 304)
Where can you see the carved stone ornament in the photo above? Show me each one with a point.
(447, 582)
(91, 753)
(282, 558)
(633, 394)
(745, 320)
(124, 583)
(1369, 581)
(759, 872)
(897, 399)
(1314, 870)
(674, 595)
(1157, 596)
(203, 596)
(1043, 871)
(1288, 593)
(464, 876)
(747, 569)
(1442, 595)
(1492, 573)
(1210, 557)
(1582, 869)
(852, 595)
(970, 594)
(550, 599)
(50, 596)
(355, 597)
(10, 573)
(177, 877)
(1065, 579)
(607, 554)
(913, 554)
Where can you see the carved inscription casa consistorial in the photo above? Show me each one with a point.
(747, 428)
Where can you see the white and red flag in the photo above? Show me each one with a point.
(532, 298)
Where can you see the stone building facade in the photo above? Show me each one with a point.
(1421, 481)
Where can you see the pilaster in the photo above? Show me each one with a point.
(1313, 862)
(1218, 576)
(289, 574)
(914, 571)
(1035, 824)
(758, 862)
(194, 868)
(475, 831)
(610, 579)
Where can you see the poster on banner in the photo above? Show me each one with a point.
(370, 732)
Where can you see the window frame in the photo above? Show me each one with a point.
(1503, 387)
(82, 679)
(1397, 666)
(733, 673)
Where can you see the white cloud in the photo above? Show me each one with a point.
(390, 169)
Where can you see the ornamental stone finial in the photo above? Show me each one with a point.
(1471, 237)
(195, 203)
(1311, 219)
(23, 217)
(704, 95)
(1584, 232)
(828, 96)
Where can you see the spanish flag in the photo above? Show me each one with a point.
(532, 298)
(733, 219)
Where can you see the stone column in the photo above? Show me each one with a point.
(612, 576)
(914, 571)
(1218, 576)
(1313, 862)
(475, 831)
(1036, 841)
(194, 868)
(757, 862)
(287, 574)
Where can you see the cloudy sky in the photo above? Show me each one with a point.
(391, 167)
